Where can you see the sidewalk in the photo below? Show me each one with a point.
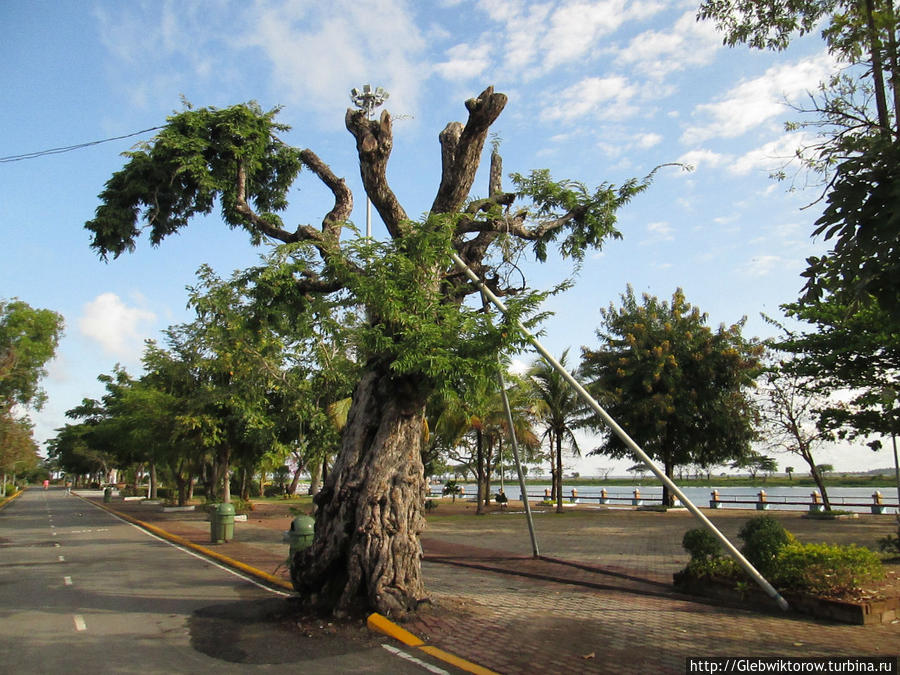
(601, 604)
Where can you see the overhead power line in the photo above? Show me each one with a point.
(70, 148)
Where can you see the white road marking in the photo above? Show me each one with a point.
(67, 581)
(80, 625)
(419, 662)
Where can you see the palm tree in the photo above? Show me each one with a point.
(561, 411)
(476, 425)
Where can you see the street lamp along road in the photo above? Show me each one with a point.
(368, 99)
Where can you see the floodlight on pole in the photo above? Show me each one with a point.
(367, 99)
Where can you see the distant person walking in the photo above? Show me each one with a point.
(68, 487)
(46, 483)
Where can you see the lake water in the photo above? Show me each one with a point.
(850, 499)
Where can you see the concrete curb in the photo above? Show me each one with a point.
(375, 622)
(7, 500)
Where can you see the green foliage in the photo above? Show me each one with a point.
(862, 220)
(763, 538)
(855, 115)
(848, 348)
(593, 215)
(187, 167)
(28, 340)
(242, 506)
(681, 390)
(451, 487)
(701, 544)
(411, 324)
(763, 24)
(890, 543)
(824, 569)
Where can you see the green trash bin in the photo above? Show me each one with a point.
(107, 494)
(300, 536)
(221, 523)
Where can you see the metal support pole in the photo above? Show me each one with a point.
(629, 442)
(515, 450)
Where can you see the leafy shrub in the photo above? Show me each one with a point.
(763, 538)
(430, 504)
(825, 569)
(890, 543)
(242, 506)
(701, 544)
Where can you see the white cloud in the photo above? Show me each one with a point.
(778, 154)
(648, 140)
(764, 265)
(603, 97)
(540, 37)
(658, 232)
(464, 62)
(703, 159)
(318, 52)
(656, 53)
(118, 328)
(757, 101)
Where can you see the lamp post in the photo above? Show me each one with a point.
(368, 99)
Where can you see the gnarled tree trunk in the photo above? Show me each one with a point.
(366, 552)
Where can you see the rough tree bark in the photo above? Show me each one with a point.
(366, 552)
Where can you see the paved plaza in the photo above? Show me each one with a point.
(599, 600)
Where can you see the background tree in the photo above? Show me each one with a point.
(560, 411)
(850, 349)
(28, 341)
(680, 389)
(790, 413)
(419, 335)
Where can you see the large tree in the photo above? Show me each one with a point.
(681, 389)
(420, 336)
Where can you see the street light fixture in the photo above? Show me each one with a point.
(367, 100)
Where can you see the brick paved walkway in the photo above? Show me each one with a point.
(612, 611)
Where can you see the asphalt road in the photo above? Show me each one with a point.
(84, 592)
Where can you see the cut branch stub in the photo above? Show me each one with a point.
(374, 142)
(462, 150)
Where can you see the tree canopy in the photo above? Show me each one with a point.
(419, 335)
(681, 389)
(28, 340)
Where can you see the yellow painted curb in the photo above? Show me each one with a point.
(377, 622)
(7, 500)
(181, 541)
(454, 660)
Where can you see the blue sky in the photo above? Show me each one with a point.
(598, 91)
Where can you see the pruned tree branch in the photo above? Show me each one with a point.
(461, 150)
(374, 142)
